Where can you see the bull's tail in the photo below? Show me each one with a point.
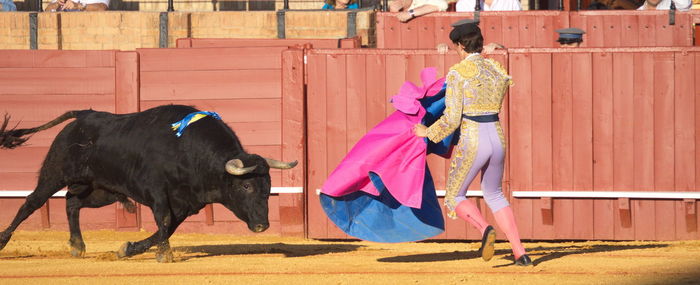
(15, 137)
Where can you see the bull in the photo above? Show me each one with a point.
(102, 158)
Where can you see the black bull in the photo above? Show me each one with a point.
(102, 158)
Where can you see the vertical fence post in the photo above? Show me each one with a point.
(33, 31)
(280, 24)
(171, 8)
(163, 26)
(352, 24)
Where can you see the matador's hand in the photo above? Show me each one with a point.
(420, 130)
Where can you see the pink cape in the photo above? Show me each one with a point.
(390, 150)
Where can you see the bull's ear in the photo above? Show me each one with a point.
(280, 164)
(236, 167)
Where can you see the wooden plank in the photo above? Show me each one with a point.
(527, 30)
(183, 43)
(356, 100)
(239, 42)
(210, 58)
(336, 119)
(18, 180)
(612, 30)
(258, 133)
(57, 81)
(11, 206)
(643, 211)
(510, 30)
(683, 30)
(443, 28)
(685, 130)
(664, 32)
(318, 223)
(231, 110)
(395, 77)
(391, 35)
(562, 141)
(56, 58)
(595, 32)
(126, 78)
(623, 138)
(25, 159)
(39, 108)
(375, 77)
(491, 27)
(647, 32)
(520, 134)
(210, 84)
(582, 102)
(542, 141)
(293, 124)
(603, 140)
(545, 35)
(664, 143)
(629, 37)
(425, 32)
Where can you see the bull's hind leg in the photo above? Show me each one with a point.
(34, 201)
(167, 224)
(83, 196)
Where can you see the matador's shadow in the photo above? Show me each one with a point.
(289, 250)
(538, 254)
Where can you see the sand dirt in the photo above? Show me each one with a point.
(42, 257)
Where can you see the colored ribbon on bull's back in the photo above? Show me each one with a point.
(179, 126)
(382, 190)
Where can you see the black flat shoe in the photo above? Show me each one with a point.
(487, 244)
(524, 260)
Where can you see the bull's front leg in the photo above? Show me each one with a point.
(167, 224)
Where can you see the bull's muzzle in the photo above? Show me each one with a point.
(260, 228)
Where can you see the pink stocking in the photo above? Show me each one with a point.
(468, 211)
(506, 221)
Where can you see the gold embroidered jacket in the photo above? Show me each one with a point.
(475, 86)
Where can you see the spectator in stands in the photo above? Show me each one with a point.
(681, 5)
(488, 5)
(7, 6)
(571, 37)
(77, 5)
(340, 4)
(416, 8)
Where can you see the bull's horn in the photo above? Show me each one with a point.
(235, 167)
(280, 164)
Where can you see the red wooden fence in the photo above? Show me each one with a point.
(347, 94)
(244, 85)
(354, 42)
(605, 120)
(38, 86)
(528, 29)
(577, 120)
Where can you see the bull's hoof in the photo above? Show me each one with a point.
(77, 251)
(77, 248)
(125, 250)
(164, 257)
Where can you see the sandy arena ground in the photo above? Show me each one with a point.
(43, 258)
